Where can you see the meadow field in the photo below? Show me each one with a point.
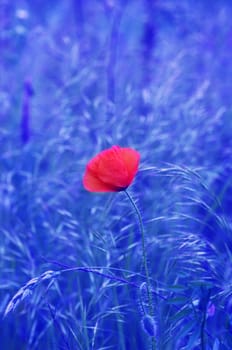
(146, 268)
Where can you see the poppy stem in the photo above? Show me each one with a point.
(142, 231)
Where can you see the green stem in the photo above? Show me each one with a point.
(149, 294)
(203, 331)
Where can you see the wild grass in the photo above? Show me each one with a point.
(78, 77)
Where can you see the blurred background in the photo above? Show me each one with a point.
(80, 76)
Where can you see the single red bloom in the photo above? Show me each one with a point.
(112, 170)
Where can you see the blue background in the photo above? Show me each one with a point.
(77, 77)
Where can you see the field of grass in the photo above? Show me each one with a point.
(77, 77)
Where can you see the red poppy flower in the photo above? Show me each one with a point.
(112, 170)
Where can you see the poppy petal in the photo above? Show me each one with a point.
(111, 170)
(93, 184)
(107, 168)
(131, 159)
